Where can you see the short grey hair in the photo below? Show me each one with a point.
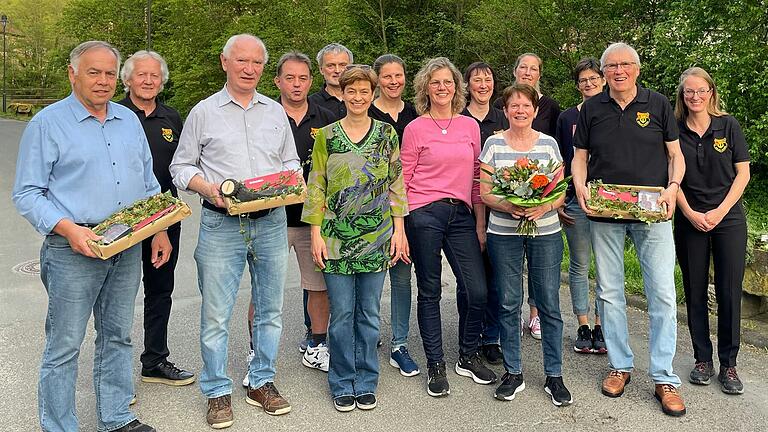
(619, 46)
(125, 74)
(294, 56)
(78, 51)
(231, 41)
(333, 48)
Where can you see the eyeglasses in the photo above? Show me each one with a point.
(445, 83)
(689, 93)
(364, 67)
(592, 80)
(613, 67)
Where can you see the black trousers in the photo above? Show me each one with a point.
(158, 287)
(726, 244)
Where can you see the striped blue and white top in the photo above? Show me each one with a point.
(497, 153)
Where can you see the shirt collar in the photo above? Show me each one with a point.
(81, 113)
(643, 95)
(160, 108)
(716, 123)
(223, 98)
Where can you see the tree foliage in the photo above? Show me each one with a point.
(729, 39)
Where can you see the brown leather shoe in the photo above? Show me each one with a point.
(220, 414)
(613, 384)
(268, 398)
(671, 402)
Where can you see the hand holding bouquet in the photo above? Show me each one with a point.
(528, 183)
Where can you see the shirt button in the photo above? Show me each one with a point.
(119, 202)
(113, 163)
(118, 182)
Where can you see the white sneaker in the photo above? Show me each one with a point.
(317, 357)
(535, 327)
(251, 355)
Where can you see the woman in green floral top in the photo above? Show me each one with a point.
(356, 203)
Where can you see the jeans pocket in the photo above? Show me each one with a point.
(210, 220)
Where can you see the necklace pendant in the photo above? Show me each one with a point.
(445, 131)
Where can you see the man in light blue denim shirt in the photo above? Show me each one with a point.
(80, 160)
(237, 133)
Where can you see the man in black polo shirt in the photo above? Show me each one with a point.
(332, 60)
(144, 75)
(628, 135)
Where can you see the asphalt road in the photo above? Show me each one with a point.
(403, 402)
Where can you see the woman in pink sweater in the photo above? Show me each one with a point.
(439, 154)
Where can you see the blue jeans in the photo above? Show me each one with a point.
(450, 228)
(353, 332)
(544, 254)
(490, 334)
(580, 252)
(76, 286)
(221, 254)
(656, 253)
(400, 280)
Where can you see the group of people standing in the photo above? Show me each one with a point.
(392, 187)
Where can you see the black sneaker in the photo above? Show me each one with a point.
(598, 341)
(135, 426)
(492, 353)
(729, 381)
(583, 344)
(437, 381)
(474, 368)
(560, 395)
(511, 384)
(167, 373)
(701, 373)
(344, 403)
(366, 401)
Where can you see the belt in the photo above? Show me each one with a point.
(251, 215)
(452, 201)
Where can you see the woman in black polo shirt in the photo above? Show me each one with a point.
(481, 81)
(390, 107)
(710, 221)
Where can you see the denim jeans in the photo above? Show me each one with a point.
(450, 228)
(580, 252)
(353, 332)
(221, 254)
(656, 253)
(490, 333)
(400, 281)
(544, 254)
(76, 286)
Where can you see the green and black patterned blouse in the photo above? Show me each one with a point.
(354, 190)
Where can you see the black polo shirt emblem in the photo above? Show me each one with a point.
(167, 134)
(720, 144)
(643, 119)
(313, 132)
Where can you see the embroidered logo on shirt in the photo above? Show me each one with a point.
(167, 134)
(313, 132)
(720, 144)
(643, 119)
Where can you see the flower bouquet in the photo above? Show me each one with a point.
(142, 219)
(529, 183)
(259, 193)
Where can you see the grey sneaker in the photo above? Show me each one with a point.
(583, 342)
(729, 381)
(701, 373)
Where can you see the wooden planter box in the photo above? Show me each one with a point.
(636, 200)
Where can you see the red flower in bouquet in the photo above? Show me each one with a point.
(538, 181)
(522, 162)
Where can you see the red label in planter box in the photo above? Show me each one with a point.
(287, 178)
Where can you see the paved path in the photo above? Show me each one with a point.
(403, 402)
